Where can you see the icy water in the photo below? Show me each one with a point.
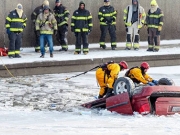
(50, 105)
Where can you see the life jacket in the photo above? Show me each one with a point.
(3, 51)
(104, 66)
(134, 79)
(127, 73)
(105, 69)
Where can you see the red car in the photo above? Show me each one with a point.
(163, 99)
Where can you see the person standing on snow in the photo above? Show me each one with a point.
(107, 16)
(62, 15)
(34, 16)
(139, 75)
(46, 25)
(106, 76)
(154, 22)
(134, 18)
(81, 25)
(15, 24)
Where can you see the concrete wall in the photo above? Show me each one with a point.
(171, 10)
(82, 65)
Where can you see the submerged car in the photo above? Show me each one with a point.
(163, 99)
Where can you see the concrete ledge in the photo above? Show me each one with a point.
(38, 68)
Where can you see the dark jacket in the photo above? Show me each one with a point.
(36, 12)
(81, 21)
(137, 76)
(107, 15)
(61, 14)
(155, 19)
(14, 23)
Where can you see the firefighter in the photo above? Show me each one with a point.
(139, 75)
(34, 16)
(62, 16)
(106, 76)
(154, 22)
(134, 18)
(15, 24)
(46, 25)
(81, 25)
(107, 16)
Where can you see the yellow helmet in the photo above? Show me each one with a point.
(45, 3)
(153, 2)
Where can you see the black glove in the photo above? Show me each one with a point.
(126, 29)
(105, 20)
(55, 32)
(8, 31)
(89, 31)
(111, 20)
(75, 34)
(38, 32)
(23, 26)
(72, 29)
(65, 27)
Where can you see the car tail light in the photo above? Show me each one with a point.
(144, 109)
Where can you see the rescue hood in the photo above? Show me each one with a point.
(81, 2)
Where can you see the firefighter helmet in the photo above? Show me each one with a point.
(123, 64)
(145, 65)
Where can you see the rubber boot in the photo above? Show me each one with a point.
(100, 96)
(109, 92)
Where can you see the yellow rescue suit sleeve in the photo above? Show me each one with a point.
(148, 78)
(114, 71)
(136, 73)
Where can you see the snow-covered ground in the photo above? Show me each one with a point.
(28, 54)
(50, 105)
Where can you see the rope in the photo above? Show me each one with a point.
(7, 69)
(81, 73)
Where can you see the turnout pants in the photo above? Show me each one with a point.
(37, 44)
(62, 36)
(132, 36)
(102, 81)
(84, 37)
(14, 44)
(153, 38)
(112, 33)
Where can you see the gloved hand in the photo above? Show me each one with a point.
(150, 83)
(105, 20)
(155, 82)
(75, 34)
(38, 32)
(72, 29)
(55, 32)
(23, 26)
(110, 21)
(159, 28)
(8, 31)
(126, 29)
(89, 31)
